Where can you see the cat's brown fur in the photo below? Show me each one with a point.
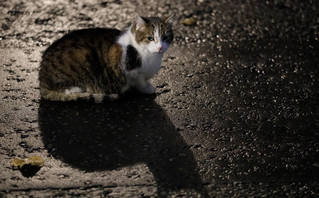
(71, 59)
(141, 36)
(103, 63)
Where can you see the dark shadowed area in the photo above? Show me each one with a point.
(97, 137)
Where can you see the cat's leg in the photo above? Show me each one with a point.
(67, 95)
(81, 93)
(99, 98)
(72, 94)
(145, 87)
(149, 89)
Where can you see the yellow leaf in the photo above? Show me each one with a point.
(32, 160)
(189, 21)
(16, 162)
(35, 161)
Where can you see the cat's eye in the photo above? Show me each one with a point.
(150, 38)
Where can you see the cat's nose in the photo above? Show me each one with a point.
(160, 48)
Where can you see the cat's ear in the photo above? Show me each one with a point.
(169, 20)
(140, 23)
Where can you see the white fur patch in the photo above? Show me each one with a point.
(72, 90)
(151, 55)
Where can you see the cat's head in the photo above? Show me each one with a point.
(153, 34)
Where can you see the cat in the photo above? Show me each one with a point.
(102, 63)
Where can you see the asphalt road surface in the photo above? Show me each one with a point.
(235, 113)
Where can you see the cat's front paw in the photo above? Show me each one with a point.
(148, 89)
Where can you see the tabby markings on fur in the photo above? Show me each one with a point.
(102, 63)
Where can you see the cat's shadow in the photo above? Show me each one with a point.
(96, 137)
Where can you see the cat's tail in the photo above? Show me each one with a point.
(54, 95)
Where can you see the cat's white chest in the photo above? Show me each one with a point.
(150, 66)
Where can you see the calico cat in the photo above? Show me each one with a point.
(103, 63)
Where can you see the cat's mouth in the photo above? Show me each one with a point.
(162, 51)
